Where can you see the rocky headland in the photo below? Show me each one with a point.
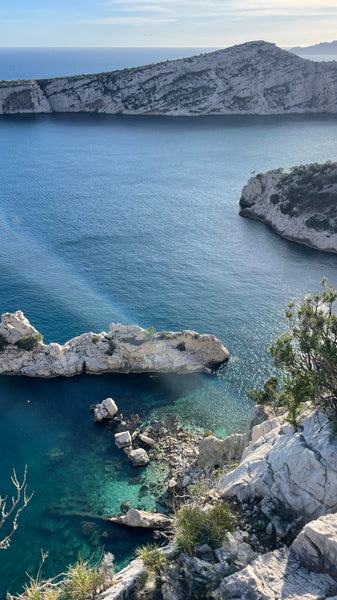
(124, 349)
(284, 495)
(300, 206)
(252, 78)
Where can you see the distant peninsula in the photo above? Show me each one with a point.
(300, 206)
(124, 349)
(324, 48)
(255, 78)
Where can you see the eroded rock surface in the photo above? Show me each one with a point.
(142, 518)
(297, 471)
(124, 349)
(251, 78)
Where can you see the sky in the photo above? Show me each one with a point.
(196, 23)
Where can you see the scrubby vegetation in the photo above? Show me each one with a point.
(81, 581)
(195, 526)
(29, 342)
(152, 557)
(307, 356)
(311, 188)
(3, 342)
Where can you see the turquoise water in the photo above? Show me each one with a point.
(135, 220)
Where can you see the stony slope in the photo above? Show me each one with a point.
(300, 206)
(252, 78)
(124, 349)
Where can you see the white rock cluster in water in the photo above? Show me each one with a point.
(251, 78)
(310, 218)
(124, 349)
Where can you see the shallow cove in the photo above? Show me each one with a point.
(135, 219)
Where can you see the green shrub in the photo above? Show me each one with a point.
(95, 338)
(111, 349)
(274, 198)
(207, 433)
(3, 342)
(194, 526)
(165, 335)
(81, 581)
(29, 342)
(152, 557)
(181, 347)
(149, 333)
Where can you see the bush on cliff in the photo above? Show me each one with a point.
(195, 526)
(3, 342)
(29, 342)
(307, 353)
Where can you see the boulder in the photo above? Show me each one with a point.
(146, 440)
(316, 545)
(105, 410)
(142, 518)
(123, 439)
(215, 452)
(139, 457)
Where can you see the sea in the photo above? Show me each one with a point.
(133, 219)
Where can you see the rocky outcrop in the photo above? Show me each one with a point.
(105, 410)
(124, 582)
(124, 349)
(215, 452)
(252, 78)
(291, 472)
(142, 518)
(316, 545)
(275, 575)
(300, 206)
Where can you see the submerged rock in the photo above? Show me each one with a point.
(124, 349)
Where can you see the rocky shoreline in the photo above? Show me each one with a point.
(284, 495)
(300, 206)
(124, 349)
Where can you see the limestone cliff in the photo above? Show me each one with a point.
(300, 206)
(124, 349)
(252, 78)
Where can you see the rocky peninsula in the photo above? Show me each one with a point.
(124, 349)
(252, 78)
(300, 206)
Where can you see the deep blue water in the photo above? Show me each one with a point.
(33, 63)
(135, 220)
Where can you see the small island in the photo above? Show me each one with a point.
(124, 349)
(300, 206)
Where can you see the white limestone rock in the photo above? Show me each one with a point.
(297, 470)
(268, 197)
(273, 576)
(105, 410)
(139, 457)
(146, 440)
(143, 519)
(251, 78)
(124, 349)
(316, 545)
(214, 451)
(123, 439)
(124, 582)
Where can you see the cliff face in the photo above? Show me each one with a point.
(252, 78)
(300, 206)
(124, 349)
